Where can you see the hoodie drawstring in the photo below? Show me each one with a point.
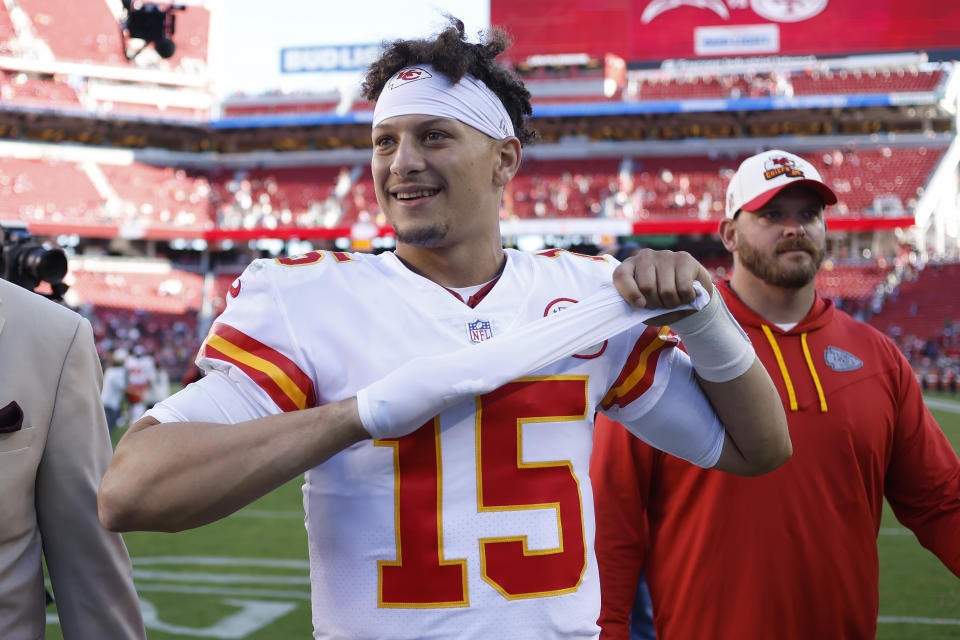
(813, 373)
(791, 394)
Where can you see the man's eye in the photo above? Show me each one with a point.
(436, 135)
(382, 141)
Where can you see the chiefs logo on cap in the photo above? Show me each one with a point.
(235, 288)
(410, 74)
(778, 165)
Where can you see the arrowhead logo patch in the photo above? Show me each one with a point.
(840, 360)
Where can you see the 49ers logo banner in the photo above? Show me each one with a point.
(656, 30)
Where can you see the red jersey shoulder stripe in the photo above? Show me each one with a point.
(272, 371)
(637, 374)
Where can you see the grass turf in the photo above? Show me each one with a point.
(188, 599)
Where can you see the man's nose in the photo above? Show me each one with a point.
(793, 226)
(407, 159)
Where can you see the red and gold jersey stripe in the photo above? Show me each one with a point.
(554, 253)
(637, 374)
(272, 371)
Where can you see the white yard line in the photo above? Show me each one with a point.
(222, 561)
(911, 620)
(943, 405)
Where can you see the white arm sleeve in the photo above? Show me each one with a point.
(681, 422)
(404, 399)
(212, 398)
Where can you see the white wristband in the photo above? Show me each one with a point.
(718, 347)
(406, 398)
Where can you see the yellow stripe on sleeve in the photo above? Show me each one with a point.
(641, 369)
(275, 373)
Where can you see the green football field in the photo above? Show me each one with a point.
(247, 576)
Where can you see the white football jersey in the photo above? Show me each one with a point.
(140, 369)
(479, 524)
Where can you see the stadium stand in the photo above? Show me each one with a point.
(51, 26)
(49, 191)
(325, 102)
(869, 80)
(800, 82)
(665, 87)
(853, 282)
(276, 198)
(7, 31)
(98, 42)
(923, 305)
(648, 151)
(174, 291)
(159, 197)
(37, 90)
(561, 188)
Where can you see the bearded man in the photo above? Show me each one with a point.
(793, 554)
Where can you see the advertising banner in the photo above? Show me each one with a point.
(655, 30)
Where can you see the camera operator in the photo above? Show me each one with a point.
(54, 448)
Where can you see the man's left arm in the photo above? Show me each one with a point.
(89, 566)
(735, 382)
(923, 479)
(621, 471)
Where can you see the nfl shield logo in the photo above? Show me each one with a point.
(479, 330)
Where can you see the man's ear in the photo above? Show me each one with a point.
(509, 154)
(728, 233)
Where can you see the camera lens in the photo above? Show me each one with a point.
(45, 264)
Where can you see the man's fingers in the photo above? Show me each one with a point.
(686, 273)
(660, 279)
(668, 286)
(625, 283)
(645, 277)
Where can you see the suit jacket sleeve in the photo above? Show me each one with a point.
(620, 470)
(89, 566)
(923, 479)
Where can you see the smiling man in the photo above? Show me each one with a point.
(447, 489)
(791, 555)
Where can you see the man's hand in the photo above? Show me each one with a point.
(661, 280)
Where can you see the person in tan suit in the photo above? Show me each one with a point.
(54, 449)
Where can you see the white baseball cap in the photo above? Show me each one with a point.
(759, 178)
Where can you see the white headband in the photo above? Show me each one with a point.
(421, 90)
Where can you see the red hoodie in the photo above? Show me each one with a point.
(791, 554)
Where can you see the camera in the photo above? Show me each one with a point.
(152, 24)
(26, 262)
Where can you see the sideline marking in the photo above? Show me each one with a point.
(943, 405)
(252, 616)
(223, 561)
(912, 620)
(271, 515)
(224, 591)
(218, 578)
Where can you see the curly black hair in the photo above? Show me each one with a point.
(450, 54)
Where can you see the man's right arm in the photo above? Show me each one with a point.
(177, 475)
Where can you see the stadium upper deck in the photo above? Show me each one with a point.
(649, 154)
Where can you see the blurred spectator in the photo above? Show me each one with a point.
(114, 387)
(141, 372)
(159, 387)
